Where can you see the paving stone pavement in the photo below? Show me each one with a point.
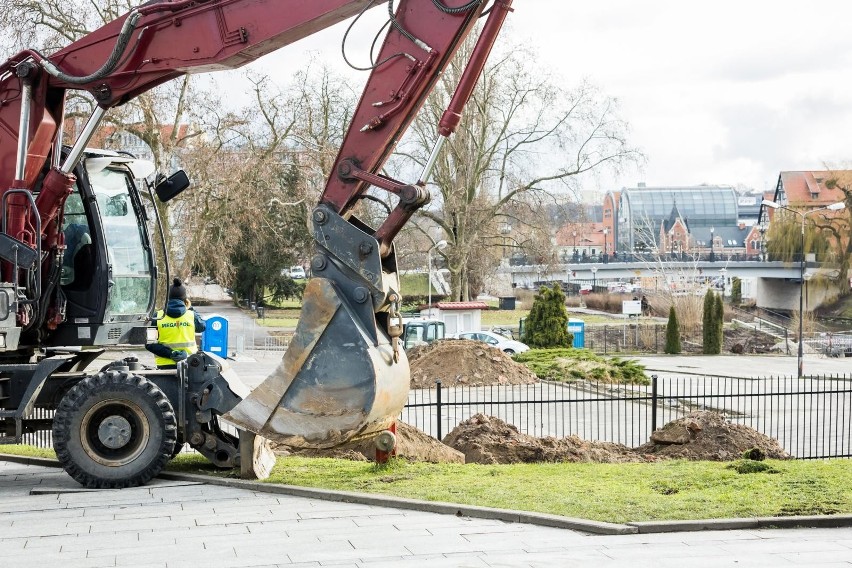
(46, 520)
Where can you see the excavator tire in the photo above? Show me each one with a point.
(113, 430)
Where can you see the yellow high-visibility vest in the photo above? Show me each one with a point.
(178, 334)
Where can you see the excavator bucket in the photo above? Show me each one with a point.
(334, 384)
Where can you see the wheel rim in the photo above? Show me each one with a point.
(114, 432)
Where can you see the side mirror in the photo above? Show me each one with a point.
(172, 186)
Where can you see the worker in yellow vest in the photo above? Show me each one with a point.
(176, 329)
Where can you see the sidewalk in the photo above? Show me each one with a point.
(47, 521)
(742, 366)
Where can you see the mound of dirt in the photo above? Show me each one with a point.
(698, 436)
(489, 440)
(411, 444)
(708, 436)
(464, 362)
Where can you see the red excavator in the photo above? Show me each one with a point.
(78, 264)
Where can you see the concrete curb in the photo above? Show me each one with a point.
(507, 515)
(814, 521)
(458, 510)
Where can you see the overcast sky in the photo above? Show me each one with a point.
(723, 92)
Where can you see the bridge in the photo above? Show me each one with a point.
(773, 284)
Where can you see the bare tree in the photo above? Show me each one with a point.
(522, 141)
(259, 170)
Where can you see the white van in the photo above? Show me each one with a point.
(297, 273)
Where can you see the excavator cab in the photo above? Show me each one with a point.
(108, 273)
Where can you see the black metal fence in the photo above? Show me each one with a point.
(810, 417)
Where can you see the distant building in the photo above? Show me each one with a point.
(641, 210)
(804, 191)
(576, 242)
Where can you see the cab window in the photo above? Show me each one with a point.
(78, 262)
(131, 289)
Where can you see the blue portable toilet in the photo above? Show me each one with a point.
(214, 339)
(578, 328)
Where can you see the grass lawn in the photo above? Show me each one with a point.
(503, 317)
(283, 317)
(665, 490)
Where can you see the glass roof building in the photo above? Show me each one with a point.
(641, 210)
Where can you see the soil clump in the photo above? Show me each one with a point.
(698, 436)
(489, 440)
(708, 436)
(411, 443)
(464, 362)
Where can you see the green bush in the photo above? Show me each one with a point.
(569, 365)
(672, 334)
(708, 327)
(719, 322)
(547, 324)
(736, 291)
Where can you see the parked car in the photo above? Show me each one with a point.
(504, 344)
(297, 273)
(585, 289)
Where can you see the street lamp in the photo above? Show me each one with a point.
(594, 277)
(440, 245)
(712, 254)
(839, 206)
(606, 247)
(574, 234)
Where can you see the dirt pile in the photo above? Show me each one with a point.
(708, 436)
(411, 444)
(489, 440)
(464, 362)
(698, 436)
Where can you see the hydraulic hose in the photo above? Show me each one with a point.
(447, 10)
(108, 67)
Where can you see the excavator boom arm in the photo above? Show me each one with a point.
(344, 374)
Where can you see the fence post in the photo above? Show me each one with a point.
(605, 334)
(438, 400)
(653, 403)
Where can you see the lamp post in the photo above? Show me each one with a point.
(440, 245)
(594, 278)
(712, 253)
(574, 234)
(606, 246)
(833, 207)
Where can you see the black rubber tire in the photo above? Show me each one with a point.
(134, 416)
(509, 351)
(179, 444)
